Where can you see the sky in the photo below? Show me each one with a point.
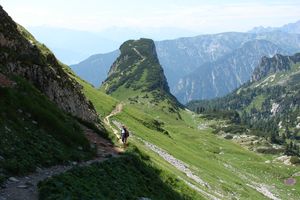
(202, 16)
(76, 29)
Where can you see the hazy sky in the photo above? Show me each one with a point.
(203, 16)
(53, 22)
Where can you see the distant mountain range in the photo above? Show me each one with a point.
(73, 46)
(189, 62)
(218, 78)
(288, 28)
(95, 68)
(209, 66)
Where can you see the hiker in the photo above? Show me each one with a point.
(124, 134)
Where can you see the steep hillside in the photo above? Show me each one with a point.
(95, 68)
(22, 55)
(39, 102)
(137, 76)
(227, 73)
(185, 155)
(34, 132)
(270, 103)
(135, 174)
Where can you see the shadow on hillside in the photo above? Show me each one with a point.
(127, 177)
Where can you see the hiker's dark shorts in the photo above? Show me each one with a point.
(123, 136)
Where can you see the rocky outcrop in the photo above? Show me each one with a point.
(5, 82)
(138, 70)
(272, 65)
(22, 55)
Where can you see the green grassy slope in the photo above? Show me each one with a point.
(131, 176)
(228, 168)
(103, 103)
(162, 185)
(34, 132)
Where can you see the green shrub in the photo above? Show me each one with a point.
(232, 128)
(2, 179)
(295, 160)
(270, 150)
(228, 137)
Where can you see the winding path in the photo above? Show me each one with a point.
(143, 57)
(25, 188)
(117, 110)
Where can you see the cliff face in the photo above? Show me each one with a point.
(22, 55)
(272, 65)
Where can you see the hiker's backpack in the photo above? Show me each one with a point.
(126, 132)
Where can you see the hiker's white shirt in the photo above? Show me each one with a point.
(123, 131)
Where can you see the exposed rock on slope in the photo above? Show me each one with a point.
(275, 64)
(22, 55)
(137, 72)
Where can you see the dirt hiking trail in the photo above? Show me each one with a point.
(25, 187)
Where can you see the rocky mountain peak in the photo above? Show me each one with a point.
(135, 68)
(138, 70)
(134, 51)
(277, 63)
